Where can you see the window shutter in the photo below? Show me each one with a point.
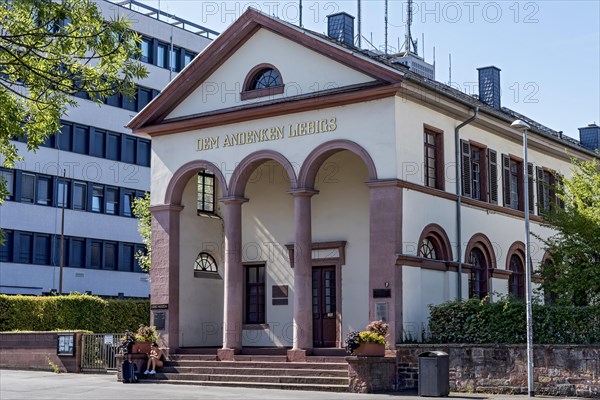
(559, 185)
(466, 168)
(530, 186)
(540, 189)
(493, 176)
(506, 179)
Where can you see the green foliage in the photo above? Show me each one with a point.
(53, 365)
(146, 333)
(71, 312)
(50, 50)
(370, 337)
(376, 332)
(573, 275)
(480, 322)
(141, 210)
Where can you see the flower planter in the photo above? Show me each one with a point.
(370, 350)
(141, 347)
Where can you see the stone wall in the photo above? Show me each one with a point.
(559, 370)
(371, 374)
(35, 350)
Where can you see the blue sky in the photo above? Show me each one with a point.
(548, 51)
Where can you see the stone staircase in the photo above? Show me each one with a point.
(320, 372)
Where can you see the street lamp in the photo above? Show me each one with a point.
(522, 125)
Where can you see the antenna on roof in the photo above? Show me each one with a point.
(410, 45)
(359, 12)
(450, 69)
(386, 26)
(300, 13)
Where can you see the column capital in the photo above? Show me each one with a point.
(165, 207)
(303, 192)
(233, 200)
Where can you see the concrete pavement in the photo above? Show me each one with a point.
(26, 385)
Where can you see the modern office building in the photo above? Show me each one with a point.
(285, 216)
(106, 168)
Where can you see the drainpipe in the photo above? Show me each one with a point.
(458, 156)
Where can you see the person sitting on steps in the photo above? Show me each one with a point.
(155, 359)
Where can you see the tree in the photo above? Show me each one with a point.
(50, 51)
(572, 276)
(141, 211)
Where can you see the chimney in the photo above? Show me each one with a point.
(589, 137)
(340, 27)
(489, 86)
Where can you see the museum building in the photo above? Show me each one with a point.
(302, 187)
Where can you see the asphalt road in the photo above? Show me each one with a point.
(26, 385)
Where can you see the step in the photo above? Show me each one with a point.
(197, 351)
(296, 380)
(257, 364)
(193, 357)
(256, 385)
(256, 371)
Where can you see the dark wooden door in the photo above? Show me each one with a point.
(324, 306)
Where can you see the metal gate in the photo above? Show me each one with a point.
(99, 350)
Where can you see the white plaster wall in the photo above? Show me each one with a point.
(35, 279)
(503, 230)
(411, 116)
(200, 299)
(267, 226)
(421, 288)
(303, 71)
(498, 289)
(341, 212)
(419, 210)
(369, 124)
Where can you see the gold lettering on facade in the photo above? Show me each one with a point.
(268, 134)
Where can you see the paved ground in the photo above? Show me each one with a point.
(26, 385)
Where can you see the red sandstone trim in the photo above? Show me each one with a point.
(316, 158)
(248, 165)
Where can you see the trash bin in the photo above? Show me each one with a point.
(434, 374)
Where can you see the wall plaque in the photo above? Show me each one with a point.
(280, 295)
(159, 306)
(159, 320)
(382, 293)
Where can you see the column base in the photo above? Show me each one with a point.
(227, 354)
(298, 355)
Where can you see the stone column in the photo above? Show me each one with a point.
(303, 318)
(164, 275)
(385, 242)
(234, 279)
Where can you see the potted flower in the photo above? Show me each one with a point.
(370, 342)
(144, 337)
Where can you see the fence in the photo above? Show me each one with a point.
(99, 350)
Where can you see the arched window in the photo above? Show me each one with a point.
(263, 80)
(517, 281)
(427, 249)
(434, 244)
(478, 286)
(205, 263)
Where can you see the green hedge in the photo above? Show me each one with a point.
(75, 311)
(476, 321)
